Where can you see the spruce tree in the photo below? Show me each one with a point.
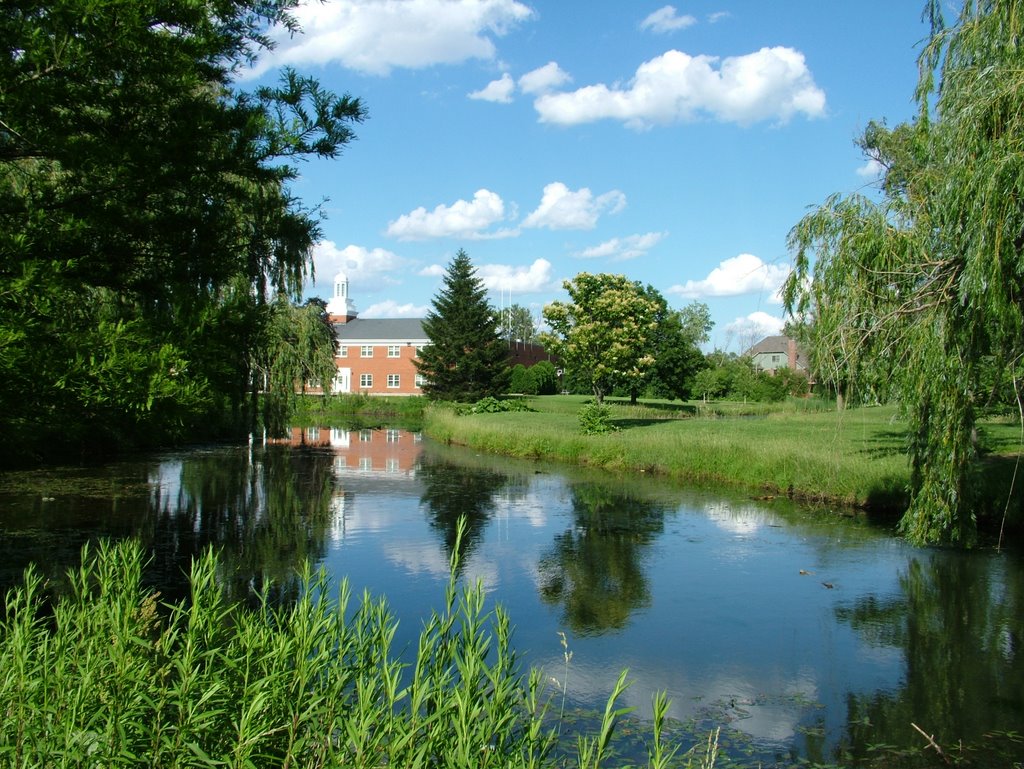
(466, 359)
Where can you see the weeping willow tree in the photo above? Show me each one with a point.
(925, 288)
(295, 350)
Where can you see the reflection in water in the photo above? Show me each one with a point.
(452, 491)
(594, 569)
(961, 630)
(716, 598)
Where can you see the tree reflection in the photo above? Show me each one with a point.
(960, 624)
(452, 491)
(595, 569)
(265, 515)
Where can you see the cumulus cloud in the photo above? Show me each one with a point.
(872, 169)
(376, 36)
(770, 84)
(497, 90)
(370, 268)
(754, 327)
(667, 19)
(469, 219)
(743, 274)
(432, 271)
(392, 309)
(544, 79)
(517, 278)
(564, 209)
(621, 249)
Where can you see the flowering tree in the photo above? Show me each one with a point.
(605, 333)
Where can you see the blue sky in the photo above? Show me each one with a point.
(674, 144)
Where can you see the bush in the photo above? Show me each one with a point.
(545, 378)
(491, 405)
(595, 419)
(522, 381)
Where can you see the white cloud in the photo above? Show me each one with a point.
(751, 329)
(872, 169)
(502, 277)
(432, 271)
(562, 209)
(369, 268)
(743, 274)
(544, 79)
(392, 309)
(497, 90)
(462, 219)
(620, 249)
(666, 19)
(717, 16)
(770, 84)
(376, 36)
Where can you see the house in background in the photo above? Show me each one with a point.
(376, 356)
(775, 352)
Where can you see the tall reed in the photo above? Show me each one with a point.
(107, 675)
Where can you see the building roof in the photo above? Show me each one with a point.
(770, 345)
(381, 329)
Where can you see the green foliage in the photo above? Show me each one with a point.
(922, 289)
(107, 675)
(595, 419)
(521, 381)
(145, 215)
(491, 405)
(545, 377)
(515, 324)
(296, 349)
(465, 360)
(605, 334)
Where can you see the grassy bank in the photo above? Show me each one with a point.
(803, 449)
(357, 409)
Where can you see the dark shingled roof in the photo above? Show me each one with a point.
(396, 329)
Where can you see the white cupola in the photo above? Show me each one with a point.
(340, 308)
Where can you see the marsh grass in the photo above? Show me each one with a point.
(108, 675)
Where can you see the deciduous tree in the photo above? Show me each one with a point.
(145, 212)
(605, 333)
(929, 282)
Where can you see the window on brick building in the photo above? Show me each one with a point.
(366, 380)
(394, 350)
(394, 380)
(343, 351)
(366, 351)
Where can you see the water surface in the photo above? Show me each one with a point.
(805, 634)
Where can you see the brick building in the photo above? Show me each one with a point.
(376, 356)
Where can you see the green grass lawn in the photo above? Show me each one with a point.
(801, 448)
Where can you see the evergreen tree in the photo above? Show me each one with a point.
(466, 360)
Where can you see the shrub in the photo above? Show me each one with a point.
(595, 419)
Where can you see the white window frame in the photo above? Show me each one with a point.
(343, 351)
(420, 380)
(394, 381)
(394, 350)
(366, 351)
(365, 381)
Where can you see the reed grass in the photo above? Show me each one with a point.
(108, 675)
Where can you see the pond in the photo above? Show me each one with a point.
(805, 635)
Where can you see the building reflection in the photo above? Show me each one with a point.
(388, 452)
